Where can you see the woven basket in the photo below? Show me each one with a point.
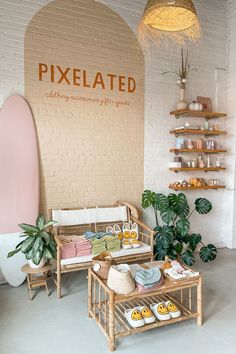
(120, 279)
(102, 264)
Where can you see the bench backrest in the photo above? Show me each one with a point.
(70, 221)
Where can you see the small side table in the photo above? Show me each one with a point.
(33, 278)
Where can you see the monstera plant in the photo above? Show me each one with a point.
(173, 235)
(38, 245)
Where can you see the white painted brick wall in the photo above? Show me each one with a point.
(161, 91)
(231, 125)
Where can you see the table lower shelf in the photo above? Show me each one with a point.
(108, 308)
(122, 327)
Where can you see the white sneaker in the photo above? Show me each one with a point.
(118, 231)
(134, 231)
(160, 311)
(126, 244)
(173, 309)
(135, 243)
(110, 230)
(126, 231)
(147, 314)
(134, 317)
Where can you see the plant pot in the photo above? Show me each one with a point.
(35, 266)
(182, 104)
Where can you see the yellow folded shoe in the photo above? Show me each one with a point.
(118, 231)
(126, 244)
(135, 243)
(126, 231)
(134, 231)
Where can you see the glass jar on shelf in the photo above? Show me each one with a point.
(201, 162)
(194, 163)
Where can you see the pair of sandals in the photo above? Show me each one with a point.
(128, 235)
(141, 315)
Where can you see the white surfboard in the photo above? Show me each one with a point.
(19, 182)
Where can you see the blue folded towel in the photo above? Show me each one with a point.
(91, 235)
(148, 277)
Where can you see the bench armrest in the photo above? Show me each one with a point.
(132, 208)
(144, 226)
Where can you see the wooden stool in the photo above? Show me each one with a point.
(35, 281)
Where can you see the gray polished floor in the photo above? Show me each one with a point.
(50, 326)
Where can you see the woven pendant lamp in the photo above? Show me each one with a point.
(165, 20)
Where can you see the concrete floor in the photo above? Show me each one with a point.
(50, 326)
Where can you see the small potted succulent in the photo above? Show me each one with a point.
(38, 245)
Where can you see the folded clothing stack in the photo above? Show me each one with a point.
(178, 272)
(68, 250)
(83, 247)
(89, 235)
(98, 246)
(75, 246)
(113, 243)
(149, 279)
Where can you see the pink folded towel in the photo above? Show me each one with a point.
(157, 286)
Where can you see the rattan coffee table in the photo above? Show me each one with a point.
(107, 308)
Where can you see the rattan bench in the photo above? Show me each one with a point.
(77, 221)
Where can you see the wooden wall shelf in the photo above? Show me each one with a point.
(189, 113)
(203, 151)
(177, 132)
(174, 169)
(180, 188)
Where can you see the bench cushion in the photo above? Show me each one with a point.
(123, 252)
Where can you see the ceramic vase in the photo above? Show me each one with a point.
(182, 104)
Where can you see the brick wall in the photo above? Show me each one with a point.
(161, 91)
(231, 124)
(91, 152)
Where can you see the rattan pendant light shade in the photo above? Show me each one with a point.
(165, 20)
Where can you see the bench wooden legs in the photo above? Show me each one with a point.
(199, 303)
(58, 272)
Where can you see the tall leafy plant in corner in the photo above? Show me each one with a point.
(173, 236)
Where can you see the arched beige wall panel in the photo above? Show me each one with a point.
(84, 79)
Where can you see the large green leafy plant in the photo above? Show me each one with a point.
(39, 242)
(173, 235)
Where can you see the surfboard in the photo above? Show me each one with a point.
(19, 181)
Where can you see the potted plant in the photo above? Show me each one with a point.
(173, 237)
(38, 245)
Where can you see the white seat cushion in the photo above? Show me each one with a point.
(123, 252)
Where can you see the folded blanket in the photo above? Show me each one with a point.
(141, 288)
(148, 277)
(95, 235)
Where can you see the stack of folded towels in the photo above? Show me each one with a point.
(98, 246)
(83, 247)
(89, 235)
(75, 246)
(113, 243)
(68, 250)
(103, 241)
(149, 279)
